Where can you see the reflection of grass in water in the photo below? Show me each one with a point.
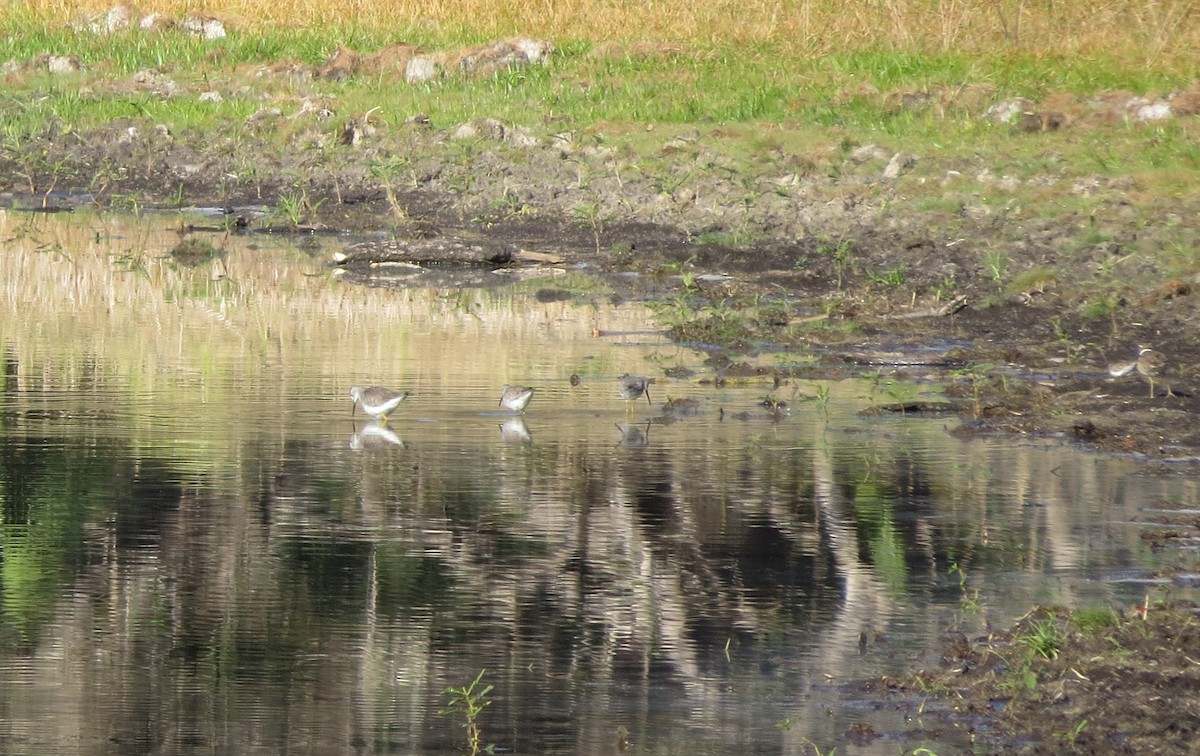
(876, 523)
(251, 322)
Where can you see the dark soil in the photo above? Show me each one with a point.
(821, 271)
(1063, 683)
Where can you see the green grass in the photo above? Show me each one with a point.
(749, 107)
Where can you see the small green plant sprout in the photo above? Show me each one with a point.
(591, 216)
(774, 404)
(996, 262)
(970, 598)
(823, 399)
(469, 701)
(890, 277)
(1044, 638)
(1073, 735)
(294, 208)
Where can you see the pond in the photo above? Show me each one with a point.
(206, 550)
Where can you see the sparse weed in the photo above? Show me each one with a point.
(1102, 306)
(823, 399)
(996, 262)
(1045, 638)
(469, 701)
(1073, 735)
(891, 277)
(591, 216)
(969, 597)
(296, 207)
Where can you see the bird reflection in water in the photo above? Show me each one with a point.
(632, 435)
(375, 435)
(514, 431)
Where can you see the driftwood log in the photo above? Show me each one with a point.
(441, 261)
(441, 251)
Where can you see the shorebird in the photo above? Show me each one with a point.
(515, 398)
(1149, 363)
(377, 401)
(633, 386)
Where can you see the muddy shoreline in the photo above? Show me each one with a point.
(835, 262)
(755, 256)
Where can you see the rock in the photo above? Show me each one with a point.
(62, 64)
(204, 27)
(521, 137)
(314, 106)
(156, 21)
(209, 96)
(421, 68)
(1143, 109)
(899, 163)
(867, 153)
(1008, 110)
(486, 59)
(480, 128)
(151, 80)
(535, 50)
(117, 18)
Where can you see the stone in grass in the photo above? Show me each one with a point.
(1008, 110)
(899, 163)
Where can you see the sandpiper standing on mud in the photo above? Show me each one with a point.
(1149, 364)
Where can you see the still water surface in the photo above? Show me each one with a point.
(205, 551)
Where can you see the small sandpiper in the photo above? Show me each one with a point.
(515, 398)
(1149, 363)
(633, 386)
(377, 401)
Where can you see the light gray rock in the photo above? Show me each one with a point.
(1008, 110)
(867, 153)
(899, 163)
(421, 68)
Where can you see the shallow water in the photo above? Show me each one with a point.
(205, 550)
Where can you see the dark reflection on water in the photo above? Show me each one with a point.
(204, 551)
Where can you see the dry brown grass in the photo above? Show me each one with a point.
(1153, 34)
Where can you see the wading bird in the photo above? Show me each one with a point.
(377, 401)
